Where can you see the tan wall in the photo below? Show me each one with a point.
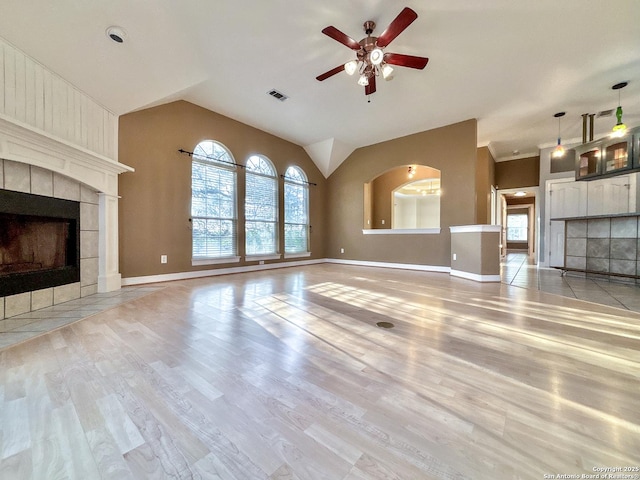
(156, 199)
(524, 172)
(476, 252)
(485, 178)
(451, 149)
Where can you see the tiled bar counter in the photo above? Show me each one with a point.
(604, 246)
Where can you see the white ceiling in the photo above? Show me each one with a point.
(511, 64)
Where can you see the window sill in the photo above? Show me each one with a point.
(401, 231)
(214, 261)
(256, 258)
(297, 255)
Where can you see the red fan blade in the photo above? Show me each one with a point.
(344, 39)
(371, 88)
(402, 21)
(406, 60)
(330, 73)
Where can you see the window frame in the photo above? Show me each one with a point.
(272, 176)
(298, 181)
(224, 163)
(510, 228)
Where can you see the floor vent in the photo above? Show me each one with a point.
(385, 324)
(277, 95)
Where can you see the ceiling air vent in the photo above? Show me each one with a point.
(605, 113)
(276, 94)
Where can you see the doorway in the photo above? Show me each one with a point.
(517, 213)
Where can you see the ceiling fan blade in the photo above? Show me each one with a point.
(343, 38)
(330, 73)
(371, 88)
(406, 60)
(402, 21)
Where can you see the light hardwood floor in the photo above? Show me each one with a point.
(284, 374)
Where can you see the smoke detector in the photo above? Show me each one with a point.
(117, 34)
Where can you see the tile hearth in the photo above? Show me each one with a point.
(23, 327)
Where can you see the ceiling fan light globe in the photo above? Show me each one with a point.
(351, 67)
(387, 72)
(363, 81)
(376, 56)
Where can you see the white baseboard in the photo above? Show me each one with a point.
(211, 273)
(402, 266)
(475, 276)
(270, 266)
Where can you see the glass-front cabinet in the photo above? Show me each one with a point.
(616, 156)
(609, 156)
(588, 163)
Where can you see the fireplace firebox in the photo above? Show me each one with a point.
(39, 242)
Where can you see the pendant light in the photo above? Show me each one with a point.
(619, 129)
(558, 152)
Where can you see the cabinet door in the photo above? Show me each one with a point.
(556, 244)
(568, 199)
(609, 196)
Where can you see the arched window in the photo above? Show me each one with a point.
(213, 203)
(261, 207)
(296, 211)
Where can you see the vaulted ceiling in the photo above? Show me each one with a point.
(511, 64)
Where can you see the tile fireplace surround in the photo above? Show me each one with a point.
(21, 177)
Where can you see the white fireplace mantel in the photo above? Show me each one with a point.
(23, 143)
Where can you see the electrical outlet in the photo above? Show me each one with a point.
(455, 257)
(342, 250)
(163, 259)
(383, 222)
(261, 262)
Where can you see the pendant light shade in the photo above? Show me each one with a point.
(558, 152)
(619, 129)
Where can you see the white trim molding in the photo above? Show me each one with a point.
(22, 143)
(213, 273)
(252, 268)
(476, 228)
(475, 276)
(401, 231)
(402, 266)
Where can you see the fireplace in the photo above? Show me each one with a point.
(39, 242)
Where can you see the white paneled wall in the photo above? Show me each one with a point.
(31, 94)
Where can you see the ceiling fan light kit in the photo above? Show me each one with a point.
(371, 59)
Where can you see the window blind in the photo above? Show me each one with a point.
(261, 207)
(296, 211)
(213, 208)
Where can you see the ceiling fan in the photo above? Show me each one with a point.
(371, 60)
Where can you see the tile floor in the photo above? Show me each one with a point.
(28, 325)
(517, 270)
